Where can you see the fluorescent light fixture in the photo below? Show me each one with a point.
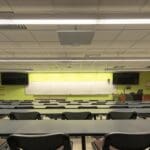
(47, 21)
(73, 60)
(73, 21)
(133, 70)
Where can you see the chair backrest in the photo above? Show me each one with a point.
(28, 101)
(83, 101)
(74, 104)
(87, 107)
(39, 142)
(26, 104)
(119, 106)
(94, 100)
(24, 107)
(44, 101)
(125, 141)
(6, 103)
(121, 115)
(25, 116)
(55, 107)
(77, 115)
(78, 101)
(98, 103)
(144, 115)
(148, 106)
(64, 102)
(55, 104)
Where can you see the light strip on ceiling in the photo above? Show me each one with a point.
(74, 60)
(72, 21)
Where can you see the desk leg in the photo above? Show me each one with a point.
(83, 140)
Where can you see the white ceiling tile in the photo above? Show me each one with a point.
(85, 27)
(31, 6)
(100, 44)
(146, 38)
(41, 27)
(27, 45)
(142, 44)
(75, 3)
(121, 44)
(3, 38)
(137, 50)
(105, 35)
(45, 35)
(18, 35)
(50, 45)
(95, 52)
(146, 7)
(4, 7)
(113, 50)
(76, 9)
(137, 53)
(7, 44)
(29, 54)
(66, 27)
(120, 6)
(76, 6)
(109, 27)
(132, 35)
(75, 54)
(137, 27)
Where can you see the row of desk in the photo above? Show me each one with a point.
(73, 127)
(57, 112)
(73, 101)
(74, 106)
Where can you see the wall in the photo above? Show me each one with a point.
(144, 79)
(18, 92)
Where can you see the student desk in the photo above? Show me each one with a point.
(81, 128)
(59, 111)
(71, 106)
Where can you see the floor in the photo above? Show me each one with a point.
(77, 143)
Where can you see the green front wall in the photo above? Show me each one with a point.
(18, 92)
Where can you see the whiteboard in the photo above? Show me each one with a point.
(70, 88)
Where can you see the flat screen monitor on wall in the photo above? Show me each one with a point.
(14, 78)
(126, 78)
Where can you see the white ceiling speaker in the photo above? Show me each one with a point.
(75, 37)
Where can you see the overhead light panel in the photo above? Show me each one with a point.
(73, 60)
(73, 21)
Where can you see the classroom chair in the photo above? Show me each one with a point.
(25, 116)
(121, 115)
(39, 142)
(77, 115)
(123, 141)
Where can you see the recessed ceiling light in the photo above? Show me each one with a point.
(74, 60)
(73, 21)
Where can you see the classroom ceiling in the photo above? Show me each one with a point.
(42, 41)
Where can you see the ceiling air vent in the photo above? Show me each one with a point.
(13, 27)
(10, 14)
(75, 37)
